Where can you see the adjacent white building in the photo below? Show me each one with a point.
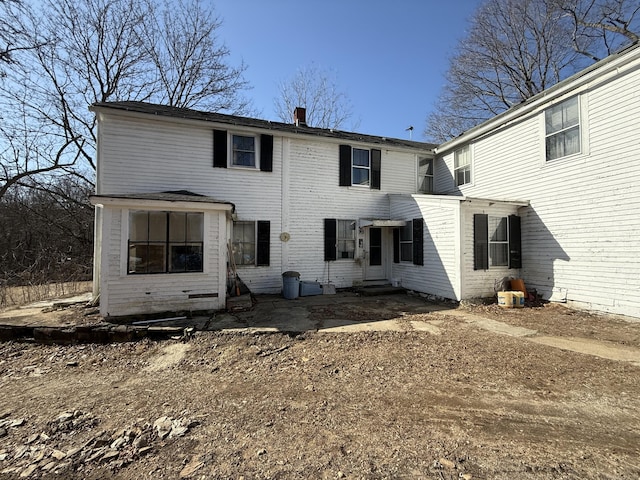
(547, 191)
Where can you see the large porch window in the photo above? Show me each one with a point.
(165, 242)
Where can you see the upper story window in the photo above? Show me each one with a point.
(562, 129)
(165, 242)
(462, 165)
(361, 167)
(243, 151)
(425, 175)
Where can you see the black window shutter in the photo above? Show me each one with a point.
(266, 153)
(418, 241)
(220, 148)
(376, 163)
(264, 236)
(480, 241)
(396, 245)
(345, 166)
(330, 239)
(515, 242)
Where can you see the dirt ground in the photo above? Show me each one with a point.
(452, 401)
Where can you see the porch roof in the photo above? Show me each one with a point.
(178, 198)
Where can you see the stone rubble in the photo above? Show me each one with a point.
(30, 455)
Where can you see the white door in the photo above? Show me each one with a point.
(376, 254)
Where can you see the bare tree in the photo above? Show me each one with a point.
(8, 32)
(518, 48)
(601, 27)
(86, 51)
(316, 90)
(189, 60)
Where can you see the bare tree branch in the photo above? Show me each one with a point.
(517, 48)
(79, 52)
(314, 89)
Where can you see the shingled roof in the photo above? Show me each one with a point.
(233, 120)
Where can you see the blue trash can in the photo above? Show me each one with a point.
(290, 285)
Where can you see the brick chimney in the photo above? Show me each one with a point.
(300, 116)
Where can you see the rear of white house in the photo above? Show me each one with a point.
(572, 152)
(547, 192)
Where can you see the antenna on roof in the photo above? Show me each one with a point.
(410, 130)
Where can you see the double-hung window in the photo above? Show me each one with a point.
(244, 243)
(496, 242)
(562, 129)
(425, 175)
(339, 239)
(346, 239)
(243, 150)
(361, 167)
(462, 166)
(165, 242)
(406, 243)
(250, 243)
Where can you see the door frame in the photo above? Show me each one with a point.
(376, 272)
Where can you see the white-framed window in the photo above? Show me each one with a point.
(361, 167)
(165, 242)
(562, 129)
(244, 243)
(406, 242)
(462, 165)
(244, 150)
(425, 175)
(498, 242)
(346, 239)
(250, 243)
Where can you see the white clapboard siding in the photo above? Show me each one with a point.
(580, 232)
(163, 156)
(481, 283)
(124, 294)
(439, 275)
(313, 194)
(159, 154)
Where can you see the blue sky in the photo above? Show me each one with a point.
(389, 57)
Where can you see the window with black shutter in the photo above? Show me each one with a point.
(480, 241)
(266, 153)
(263, 244)
(360, 167)
(220, 148)
(376, 164)
(250, 242)
(418, 241)
(496, 242)
(330, 239)
(515, 242)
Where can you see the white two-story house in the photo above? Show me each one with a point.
(181, 192)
